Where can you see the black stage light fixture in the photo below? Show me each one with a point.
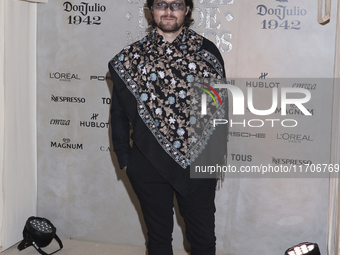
(304, 248)
(39, 232)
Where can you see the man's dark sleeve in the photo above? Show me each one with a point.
(120, 126)
(211, 47)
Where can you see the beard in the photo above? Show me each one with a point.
(169, 27)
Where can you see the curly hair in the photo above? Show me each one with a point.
(187, 21)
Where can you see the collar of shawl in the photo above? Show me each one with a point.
(161, 75)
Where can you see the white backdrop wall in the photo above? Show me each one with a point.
(334, 205)
(2, 107)
(18, 145)
(82, 191)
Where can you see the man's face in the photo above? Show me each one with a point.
(169, 15)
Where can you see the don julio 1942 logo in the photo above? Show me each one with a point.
(282, 16)
(87, 14)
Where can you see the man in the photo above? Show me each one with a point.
(152, 79)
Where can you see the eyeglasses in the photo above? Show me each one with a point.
(174, 6)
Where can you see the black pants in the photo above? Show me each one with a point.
(156, 196)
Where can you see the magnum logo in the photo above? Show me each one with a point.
(66, 144)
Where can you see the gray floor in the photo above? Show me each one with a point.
(74, 247)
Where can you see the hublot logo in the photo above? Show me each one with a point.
(262, 84)
(94, 124)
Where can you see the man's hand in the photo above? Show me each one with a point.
(124, 168)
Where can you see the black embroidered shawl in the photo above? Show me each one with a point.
(160, 75)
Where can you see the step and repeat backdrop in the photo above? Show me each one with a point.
(275, 194)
